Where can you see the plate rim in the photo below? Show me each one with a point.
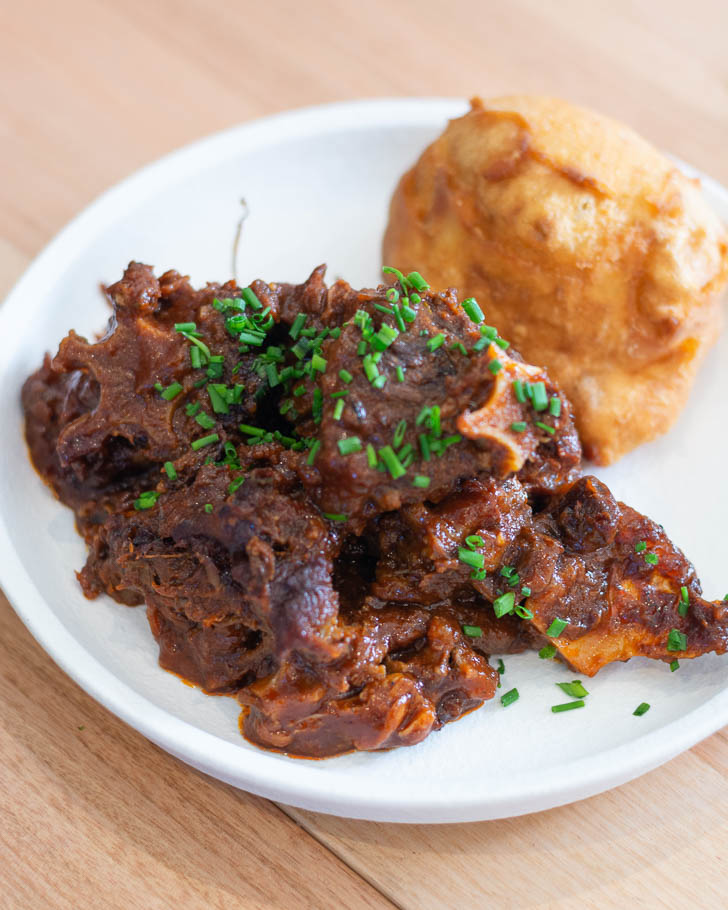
(256, 771)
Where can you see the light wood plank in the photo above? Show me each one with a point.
(636, 846)
(94, 815)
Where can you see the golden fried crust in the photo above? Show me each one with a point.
(584, 246)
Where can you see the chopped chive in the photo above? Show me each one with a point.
(674, 665)
(247, 430)
(298, 324)
(684, 601)
(391, 462)
(641, 709)
(362, 348)
(146, 500)
(370, 368)
(172, 391)
(459, 346)
(518, 426)
(652, 559)
(192, 409)
(421, 480)
(518, 391)
(556, 627)
(472, 310)
(379, 382)
(313, 452)
(392, 295)
(473, 631)
(408, 314)
(345, 376)
(185, 327)
(415, 280)
(502, 343)
(250, 297)
(504, 604)
(399, 434)
(319, 363)
(569, 706)
(195, 358)
(339, 409)
(349, 445)
(545, 427)
(371, 456)
(481, 344)
(547, 652)
(474, 540)
(424, 441)
(555, 406)
(526, 591)
(400, 374)
(507, 571)
(435, 342)
(523, 611)
(509, 697)
(170, 470)
(640, 546)
(471, 558)
(219, 405)
(540, 398)
(336, 516)
(340, 394)
(435, 420)
(677, 641)
(204, 441)
(495, 366)
(399, 320)
(384, 309)
(235, 484)
(575, 689)
(205, 421)
(478, 574)
(501, 668)
(208, 507)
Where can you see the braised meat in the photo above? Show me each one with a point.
(336, 504)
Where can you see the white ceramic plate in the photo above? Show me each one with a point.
(318, 183)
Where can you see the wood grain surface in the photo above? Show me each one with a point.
(93, 815)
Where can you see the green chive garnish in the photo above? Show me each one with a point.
(684, 601)
(170, 470)
(146, 500)
(547, 652)
(509, 697)
(474, 540)
(555, 406)
(640, 546)
(345, 376)
(545, 427)
(495, 366)
(556, 627)
(518, 426)
(235, 484)
(471, 558)
(204, 441)
(400, 374)
(674, 665)
(336, 516)
(569, 706)
(641, 709)
(434, 343)
(399, 434)
(371, 456)
(575, 689)
(519, 391)
(421, 480)
(473, 311)
(539, 397)
(339, 409)
(208, 507)
(473, 631)
(313, 452)
(504, 604)
(677, 641)
(205, 421)
(350, 445)
(392, 463)
(652, 559)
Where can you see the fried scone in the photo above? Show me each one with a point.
(588, 249)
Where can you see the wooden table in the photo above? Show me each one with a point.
(92, 815)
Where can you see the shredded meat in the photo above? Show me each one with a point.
(295, 501)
